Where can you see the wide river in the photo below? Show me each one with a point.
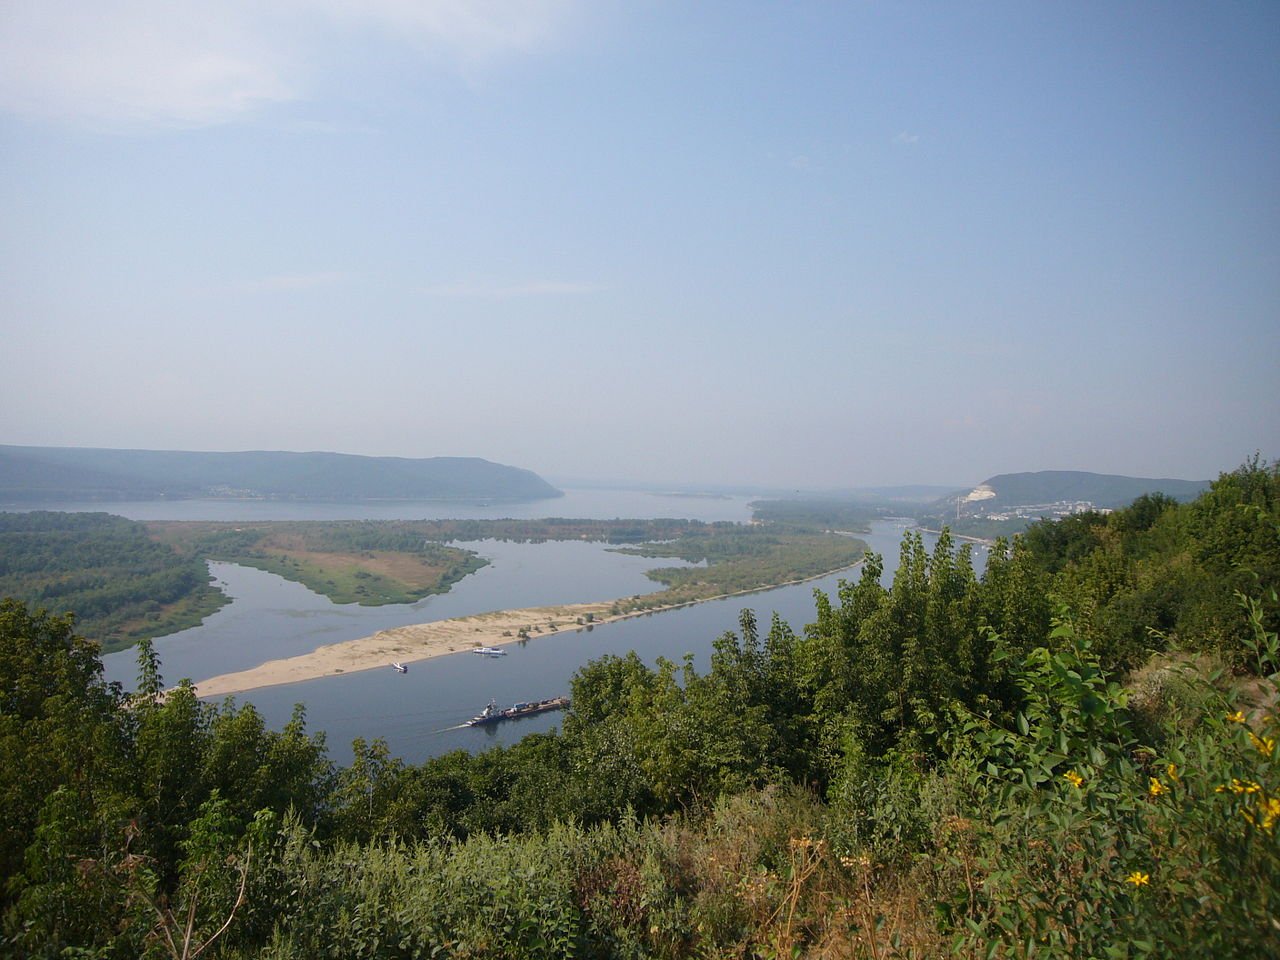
(270, 617)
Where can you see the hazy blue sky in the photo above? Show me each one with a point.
(812, 244)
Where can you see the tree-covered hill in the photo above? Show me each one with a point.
(1105, 491)
(71, 473)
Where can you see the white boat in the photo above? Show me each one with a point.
(400, 667)
(490, 651)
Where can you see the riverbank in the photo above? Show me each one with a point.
(424, 641)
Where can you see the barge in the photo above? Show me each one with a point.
(492, 714)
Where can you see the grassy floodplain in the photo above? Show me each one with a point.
(348, 562)
(394, 561)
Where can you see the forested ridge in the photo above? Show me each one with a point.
(1073, 754)
(84, 473)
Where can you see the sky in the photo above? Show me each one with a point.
(812, 245)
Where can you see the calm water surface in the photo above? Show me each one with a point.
(271, 618)
(576, 503)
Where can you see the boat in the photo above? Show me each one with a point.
(490, 651)
(400, 667)
(491, 714)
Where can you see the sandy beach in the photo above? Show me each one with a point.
(422, 641)
(410, 644)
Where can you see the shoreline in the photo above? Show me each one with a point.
(417, 642)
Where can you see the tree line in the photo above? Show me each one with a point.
(121, 583)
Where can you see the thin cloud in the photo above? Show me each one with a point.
(907, 138)
(536, 288)
(157, 63)
(137, 62)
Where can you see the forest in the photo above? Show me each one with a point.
(121, 582)
(1073, 754)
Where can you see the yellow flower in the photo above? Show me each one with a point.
(1138, 878)
(1265, 745)
(1243, 786)
(1073, 778)
(1157, 787)
(1237, 717)
(1172, 770)
(1270, 813)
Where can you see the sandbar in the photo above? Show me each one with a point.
(422, 641)
(410, 644)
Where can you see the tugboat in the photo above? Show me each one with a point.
(492, 714)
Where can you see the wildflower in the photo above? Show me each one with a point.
(1243, 786)
(1157, 787)
(1138, 878)
(1073, 778)
(1237, 717)
(1264, 745)
(1270, 813)
(1172, 770)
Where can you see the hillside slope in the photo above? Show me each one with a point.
(75, 473)
(1104, 491)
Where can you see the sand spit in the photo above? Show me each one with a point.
(422, 641)
(410, 644)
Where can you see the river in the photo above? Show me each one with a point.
(271, 617)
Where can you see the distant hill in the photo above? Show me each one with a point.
(1104, 491)
(81, 473)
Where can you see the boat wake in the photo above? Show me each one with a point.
(458, 726)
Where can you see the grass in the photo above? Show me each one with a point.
(372, 563)
(184, 614)
(355, 579)
(304, 553)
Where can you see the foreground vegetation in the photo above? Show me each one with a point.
(1007, 765)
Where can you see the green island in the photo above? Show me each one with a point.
(1076, 753)
(128, 580)
(367, 563)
